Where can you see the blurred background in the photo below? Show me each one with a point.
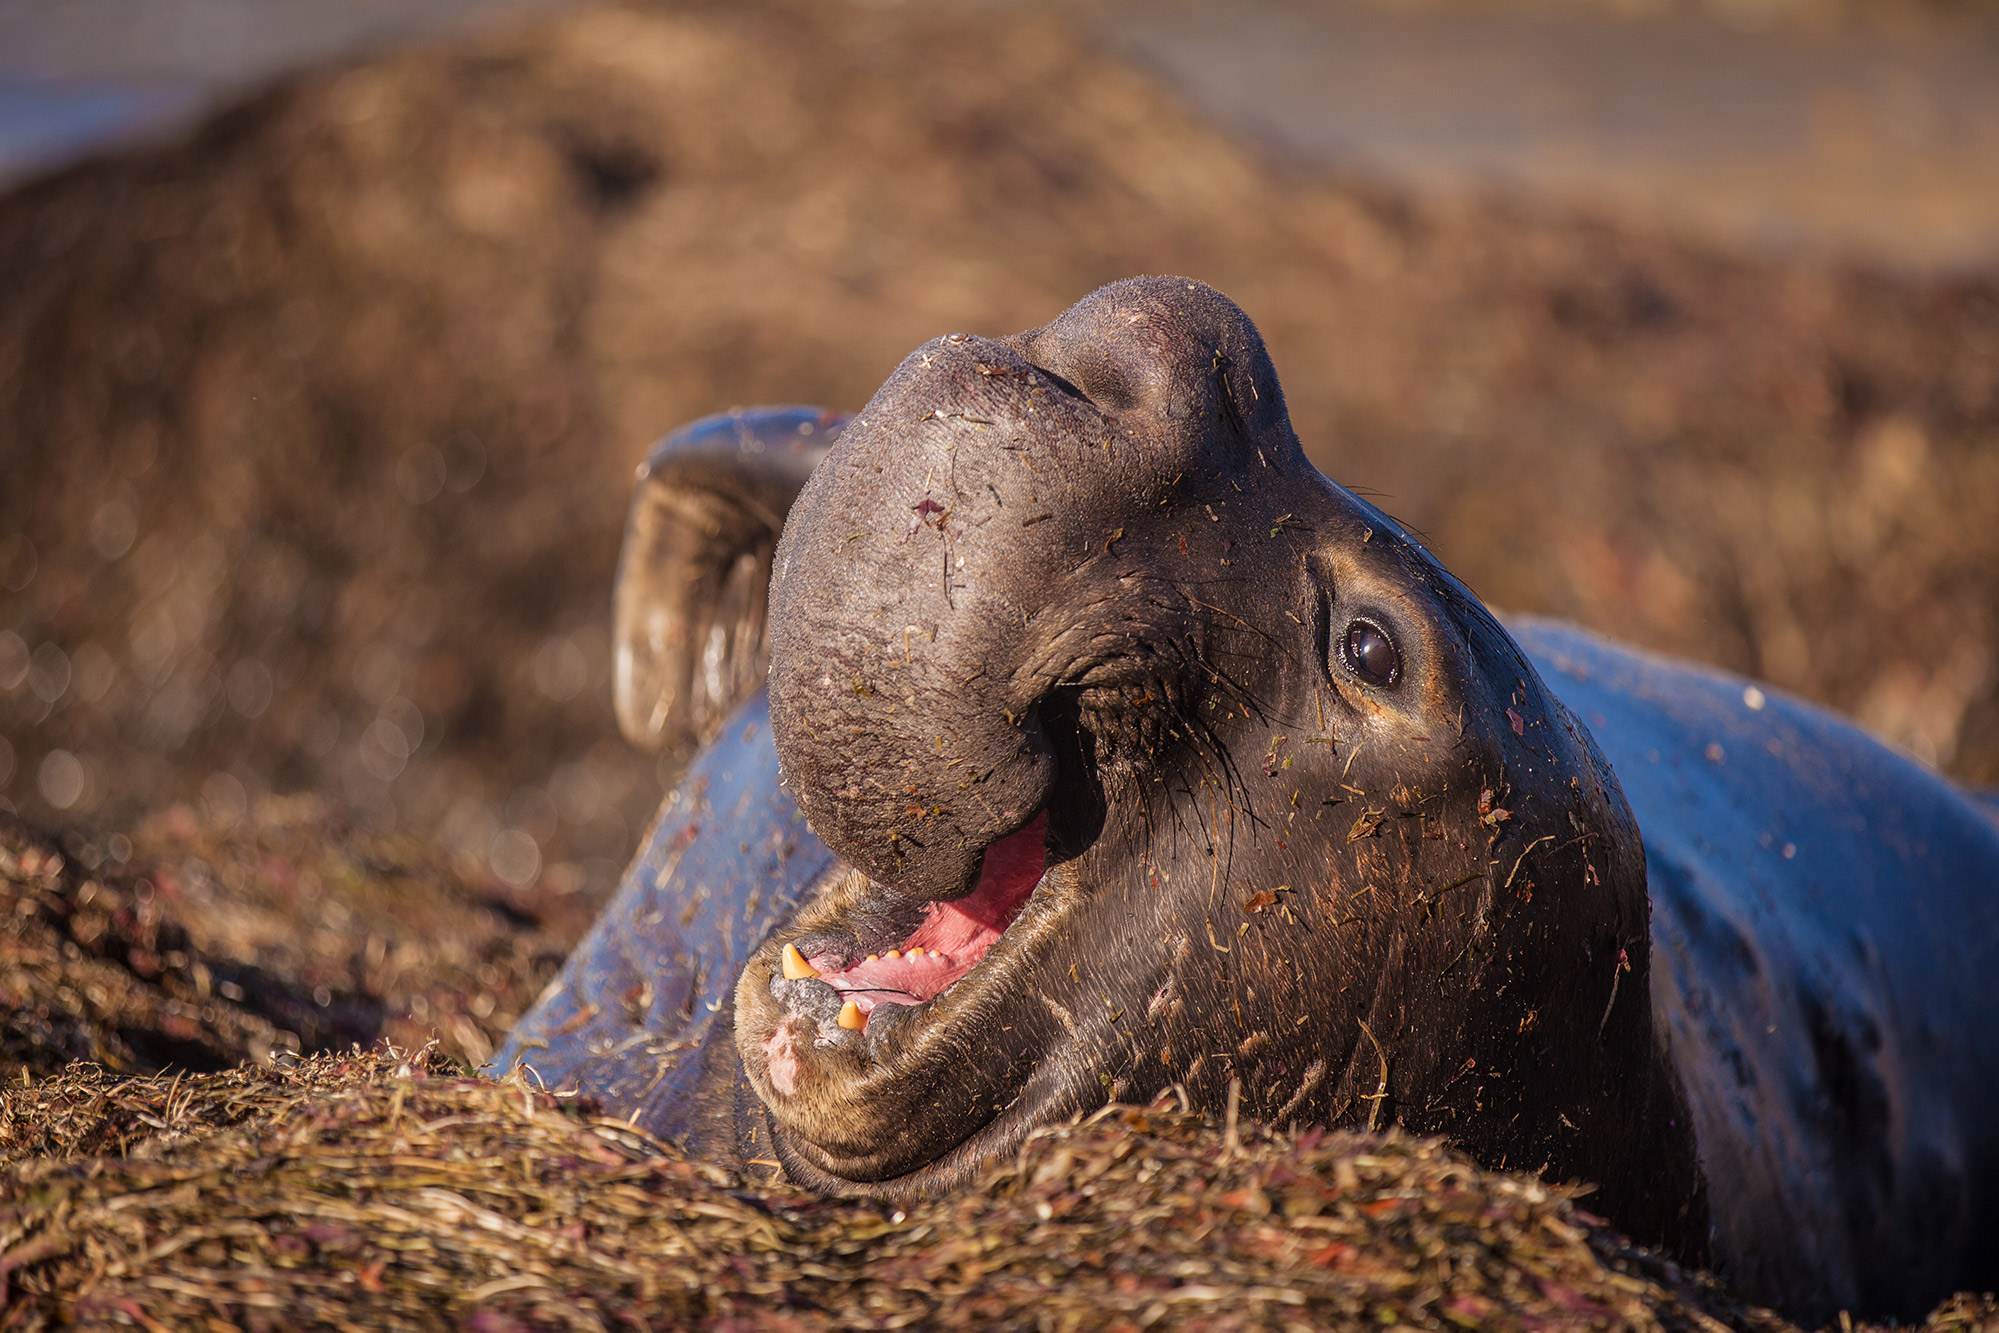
(330, 337)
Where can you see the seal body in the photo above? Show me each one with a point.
(1825, 947)
(641, 1018)
(1137, 754)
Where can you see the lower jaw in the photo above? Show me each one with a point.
(883, 1123)
(956, 1164)
(902, 1118)
(803, 1166)
(840, 1080)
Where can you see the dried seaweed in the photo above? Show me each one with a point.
(366, 1191)
(204, 944)
(373, 1191)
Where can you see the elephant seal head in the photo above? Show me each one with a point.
(1158, 759)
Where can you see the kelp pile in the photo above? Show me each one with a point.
(198, 945)
(378, 1191)
(384, 1191)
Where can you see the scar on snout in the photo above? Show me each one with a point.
(781, 1058)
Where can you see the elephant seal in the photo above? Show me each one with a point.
(1137, 754)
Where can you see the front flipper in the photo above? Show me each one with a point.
(642, 1016)
(694, 572)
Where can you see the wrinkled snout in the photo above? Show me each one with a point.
(965, 551)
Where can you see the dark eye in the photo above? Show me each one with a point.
(1370, 654)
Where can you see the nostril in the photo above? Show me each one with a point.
(1064, 384)
(1089, 374)
(1109, 389)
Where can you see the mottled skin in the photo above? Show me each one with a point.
(1074, 600)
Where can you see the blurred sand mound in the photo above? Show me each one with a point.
(318, 427)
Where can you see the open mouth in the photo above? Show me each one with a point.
(902, 954)
(947, 944)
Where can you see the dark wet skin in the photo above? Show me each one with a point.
(1141, 755)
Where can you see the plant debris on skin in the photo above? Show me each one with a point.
(367, 1191)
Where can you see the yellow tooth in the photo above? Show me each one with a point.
(916, 952)
(893, 953)
(874, 958)
(795, 966)
(851, 1017)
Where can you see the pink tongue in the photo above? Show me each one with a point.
(954, 936)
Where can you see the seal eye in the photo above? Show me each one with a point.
(1370, 654)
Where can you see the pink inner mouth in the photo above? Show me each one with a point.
(954, 936)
